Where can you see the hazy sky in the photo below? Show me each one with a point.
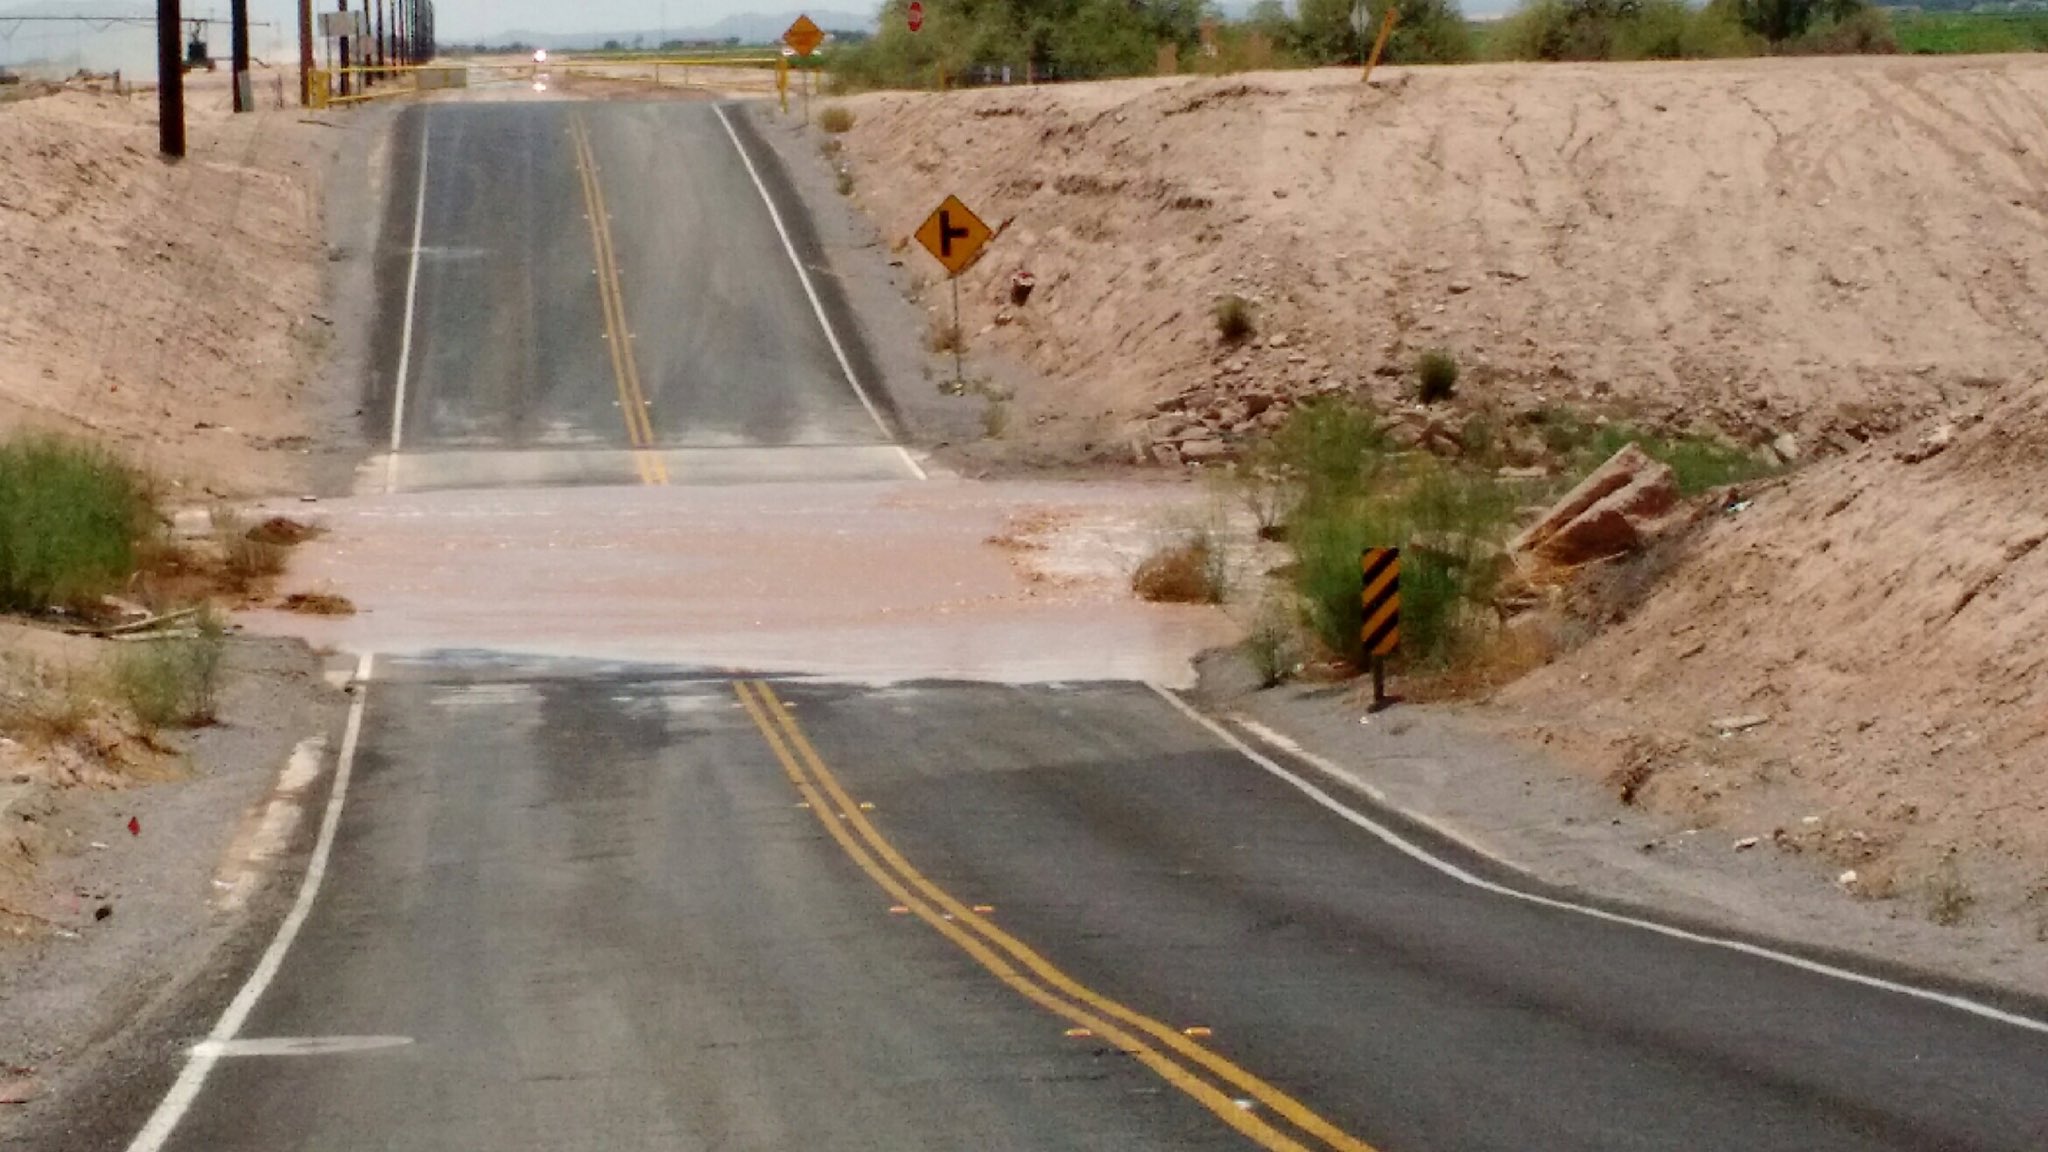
(468, 19)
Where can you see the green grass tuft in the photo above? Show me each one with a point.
(70, 519)
(1436, 376)
(1235, 322)
(174, 682)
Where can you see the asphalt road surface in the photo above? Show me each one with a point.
(641, 912)
(573, 292)
(563, 907)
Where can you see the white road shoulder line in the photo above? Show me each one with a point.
(192, 1078)
(1284, 743)
(1408, 848)
(412, 284)
(297, 1046)
(817, 306)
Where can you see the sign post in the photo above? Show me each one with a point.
(1379, 601)
(954, 236)
(1379, 45)
(803, 38)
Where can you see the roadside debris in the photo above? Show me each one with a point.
(1614, 511)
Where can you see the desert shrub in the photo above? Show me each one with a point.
(835, 119)
(1429, 32)
(70, 520)
(1864, 32)
(1327, 450)
(1449, 524)
(1623, 30)
(1269, 644)
(1949, 897)
(1698, 463)
(173, 682)
(1189, 570)
(1235, 321)
(46, 703)
(1673, 30)
(248, 555)
(1436, 375)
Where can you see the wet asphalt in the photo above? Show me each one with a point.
(599, 911)
(512, 359)
(614, 907)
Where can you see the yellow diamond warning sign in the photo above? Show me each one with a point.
(804, 36)
(954, 236)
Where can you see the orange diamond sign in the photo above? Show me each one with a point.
(804, 36)
(954, 236)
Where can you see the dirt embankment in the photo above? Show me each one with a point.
(1831, 248)
(1850, 251)
(168, 311)
(1878, 619)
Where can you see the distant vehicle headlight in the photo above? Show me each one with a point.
(540, 55)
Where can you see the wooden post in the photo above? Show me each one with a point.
(170, 79)
(306, 53)
(1380, 45)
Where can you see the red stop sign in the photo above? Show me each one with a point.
(916, 14)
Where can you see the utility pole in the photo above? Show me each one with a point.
(170, 79)
(345, 61)
(238, 36)
(306, 53)
(378, 18)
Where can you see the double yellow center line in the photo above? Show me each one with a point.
(632, 401)
(1174, 1056)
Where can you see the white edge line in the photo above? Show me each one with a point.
(412, 284)
(818, 307)
(1284, 743)
(1394, 840)
(192, 1077)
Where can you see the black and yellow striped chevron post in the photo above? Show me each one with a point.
(1380, 619)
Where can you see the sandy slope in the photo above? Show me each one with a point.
(1807, 245)
(165, 310)
(1850, 250)
(1887, 616)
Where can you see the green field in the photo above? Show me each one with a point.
(1950, 33)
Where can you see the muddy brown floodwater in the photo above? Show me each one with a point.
(871, 582)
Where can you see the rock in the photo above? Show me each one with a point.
(1609, 513)
(1197, 451)
(1460, 287)
(1277, 340)
(1005, 317)
(1847, 879)
(1170, 404)
(1746, 843)
(1728, 724)
(1166, 455)
(1786, 448)
(1534, 472)
(1931, 445)
(1388, 369)
(1405, 436)
(1256, 403)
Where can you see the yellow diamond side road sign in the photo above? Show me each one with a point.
(954, 235)
(804, 36)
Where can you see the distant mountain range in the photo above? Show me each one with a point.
(746, 27)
